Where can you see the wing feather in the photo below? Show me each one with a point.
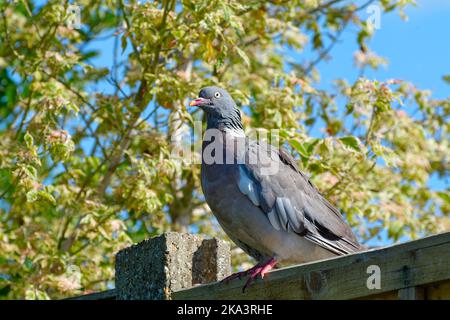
(292, 203)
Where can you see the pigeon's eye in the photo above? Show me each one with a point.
(217, 94)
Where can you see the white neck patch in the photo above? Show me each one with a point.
(235, 133)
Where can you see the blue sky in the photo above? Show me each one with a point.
(418, 50)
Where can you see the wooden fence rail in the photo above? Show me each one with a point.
(417, 269)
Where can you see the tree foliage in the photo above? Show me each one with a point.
(86, 165)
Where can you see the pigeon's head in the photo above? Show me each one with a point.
(214, 100)
(220, 108)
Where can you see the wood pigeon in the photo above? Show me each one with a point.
(261, 199)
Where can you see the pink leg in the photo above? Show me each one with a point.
(259, 269)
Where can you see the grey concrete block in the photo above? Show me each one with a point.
(156, 267)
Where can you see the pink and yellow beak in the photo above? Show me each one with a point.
(199, 102)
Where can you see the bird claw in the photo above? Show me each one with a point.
(237, 275)
(252, 277)
(252, 273)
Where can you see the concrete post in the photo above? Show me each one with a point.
(156, 267)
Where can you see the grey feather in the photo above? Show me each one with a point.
(247, 187)
(274, 219)
(293, 217)
(281, 212)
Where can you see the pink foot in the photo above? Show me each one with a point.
(252, 273)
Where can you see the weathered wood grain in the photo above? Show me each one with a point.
(411, 293)
(402, 266)
(438, 291)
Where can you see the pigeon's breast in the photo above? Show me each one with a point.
(220, 158)
(219, 188)
(247, 225)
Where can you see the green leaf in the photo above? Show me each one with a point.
(5, 290)
(300, 148)
(28, 140)
(72, 106)
(28, 263)
(446, 78)
(284, 133)
(444, 196)
(311, 145)
(243, 55)
(32, 196)
(30, 171)
(103, 232)
(47, 196)
(277, 118)
(395, 229)
(124, 43)
(351, 142)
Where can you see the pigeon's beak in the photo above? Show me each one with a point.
(200, 102)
